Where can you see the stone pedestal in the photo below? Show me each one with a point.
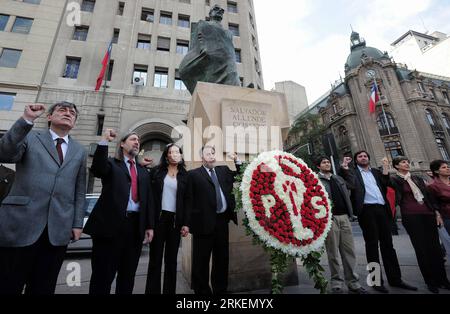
(220, 115)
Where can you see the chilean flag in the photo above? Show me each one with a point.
(104, 65)
(374, 98)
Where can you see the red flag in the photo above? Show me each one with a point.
(104, 65)
(374, 98)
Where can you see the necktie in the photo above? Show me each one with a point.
(217, 186)
(134, 185)
(59, 141)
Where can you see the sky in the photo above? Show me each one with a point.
(308, 41)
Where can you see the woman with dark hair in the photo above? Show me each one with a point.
(168, 181)
(440, 189)
(420, 218)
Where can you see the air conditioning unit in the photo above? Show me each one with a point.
(138, 81)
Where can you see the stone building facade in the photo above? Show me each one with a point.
(45, 57)
(411, 118)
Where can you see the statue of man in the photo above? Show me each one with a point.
(211, 57)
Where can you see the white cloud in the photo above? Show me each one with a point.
(290, 50)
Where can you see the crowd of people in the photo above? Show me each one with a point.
(139, 205)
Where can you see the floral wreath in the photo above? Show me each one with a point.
(287, 208)
(285, 203)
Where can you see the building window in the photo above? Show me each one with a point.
(446, 122)
(115, 38)
(232, 7)
(9, 58)
(72, 67)
(442, 148)
(80, 33)
(144, 41)
(140, 74)
(445, 95)
(257, 66)
(393, 149)
(22, 25)
(88, 5)
(3, 21)
(234, 28)
(165, 18)
(163, 44)
(237, 52)
(179, 85)
(120, 8)
(383, 124)
(161, 77)
(100, 123)
(32, 1)
(185, 1)
(433, 92)
(430, 117)
(207, 3)
(6, 100)
(242, 80)
(110, 70)
(182, 47)
(183, 21)
(421, 88)
(252, 21)
(148, 15)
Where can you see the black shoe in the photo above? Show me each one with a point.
(360, 290)
(404, 285)
(445, 285)
(433, 289)
(381, 289)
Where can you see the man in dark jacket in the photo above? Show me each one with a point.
(368, 194)
(211, 204)
(340, 237)
(122, 219)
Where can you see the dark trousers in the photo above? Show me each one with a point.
(35, 267)
(422, 231)
(375, 223)
(117, 255)
(166, 242)
(217, 245)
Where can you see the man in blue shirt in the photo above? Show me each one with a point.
(369, 202)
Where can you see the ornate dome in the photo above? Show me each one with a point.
(359, 51)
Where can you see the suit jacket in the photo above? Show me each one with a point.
(109, 213)
(44, 193)
(202, 202)
(343, 189)
(355, 182)
(157, 176)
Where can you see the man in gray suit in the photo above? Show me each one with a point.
(45, 208)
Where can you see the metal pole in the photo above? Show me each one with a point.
(382, 107)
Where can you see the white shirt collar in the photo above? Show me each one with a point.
(125, 158)
(364, 170)
(56, 136)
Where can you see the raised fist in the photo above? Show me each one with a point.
(346, 162)
(33, 111)
(109, 135)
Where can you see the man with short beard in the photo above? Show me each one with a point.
(122, 219)
(368, 194)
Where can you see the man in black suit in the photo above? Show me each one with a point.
(122, 219)
(369, 202)
(211, 204)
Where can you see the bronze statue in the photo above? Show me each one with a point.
(211, 57)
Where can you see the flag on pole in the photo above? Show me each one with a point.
(374, 97)
(105, 62)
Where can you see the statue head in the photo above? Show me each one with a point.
(216, 13)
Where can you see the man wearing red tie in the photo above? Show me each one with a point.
(122, 219)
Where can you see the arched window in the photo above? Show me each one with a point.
(385, 120)
(430, 117)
